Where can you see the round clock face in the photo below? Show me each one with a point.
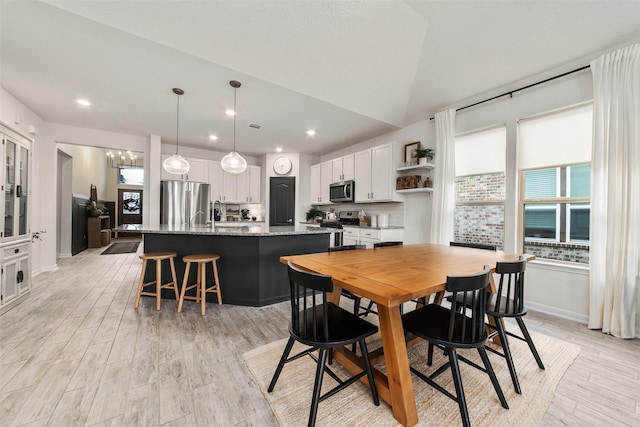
(282, 165)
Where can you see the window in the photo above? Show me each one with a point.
(559, 222)
(555, 171)
(131, 175)
(480, 186)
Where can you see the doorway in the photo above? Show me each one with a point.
(129, 208)
(282, 200)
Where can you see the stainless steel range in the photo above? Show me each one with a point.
(344, 218)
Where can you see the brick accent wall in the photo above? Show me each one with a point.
(475, 188)
(480, 223)
(570, 252)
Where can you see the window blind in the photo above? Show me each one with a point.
(481, 152)
(557, 138)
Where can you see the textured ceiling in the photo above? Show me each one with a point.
(351, 70)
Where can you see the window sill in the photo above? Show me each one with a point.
(567, 267)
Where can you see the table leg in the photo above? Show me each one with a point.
(403, 401)
(492, 320)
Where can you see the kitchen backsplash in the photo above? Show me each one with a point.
(395, 210)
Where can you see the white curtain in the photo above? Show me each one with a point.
(615, 192)
(444, 194)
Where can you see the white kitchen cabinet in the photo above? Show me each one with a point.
(198, 171)
(248, 183)
(15, 281)
(374, 174)
(216, 181)
(368, 236)
(229, 187)
(320, 178)
(342, 168)
(15, 233)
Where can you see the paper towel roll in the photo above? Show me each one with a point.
(374, 220)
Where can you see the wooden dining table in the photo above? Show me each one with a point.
(391, 276)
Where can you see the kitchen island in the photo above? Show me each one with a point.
(249, 268)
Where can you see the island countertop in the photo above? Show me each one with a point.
(227, 230)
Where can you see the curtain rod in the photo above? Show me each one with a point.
(511, 92)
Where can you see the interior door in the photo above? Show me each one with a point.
(282, 200)
(129, 206)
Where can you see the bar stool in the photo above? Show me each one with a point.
(158, 257)
(201, 282)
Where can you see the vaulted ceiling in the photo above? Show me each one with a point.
(350, 70)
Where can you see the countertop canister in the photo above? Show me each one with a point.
(383, 220)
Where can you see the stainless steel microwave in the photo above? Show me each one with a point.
(343, 191)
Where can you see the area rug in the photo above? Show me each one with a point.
(121, 248)
(353, 406)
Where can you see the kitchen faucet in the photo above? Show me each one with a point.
(213, 216)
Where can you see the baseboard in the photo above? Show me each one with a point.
(558, 312)
(37, 271)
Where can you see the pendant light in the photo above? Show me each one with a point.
(234, 162)
(177, 164)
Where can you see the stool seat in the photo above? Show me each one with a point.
(201, 283)
(158, 257)
(201, 258)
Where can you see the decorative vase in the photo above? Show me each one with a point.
(95, 212)
(422, 161)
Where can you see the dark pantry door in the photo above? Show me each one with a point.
(282, 200)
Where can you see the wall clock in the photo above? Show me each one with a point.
(282, 165)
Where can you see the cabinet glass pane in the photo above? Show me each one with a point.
(9, 188)
(23, 191)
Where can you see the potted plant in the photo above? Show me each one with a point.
(314, 213)
(96, 209)
(423, 154)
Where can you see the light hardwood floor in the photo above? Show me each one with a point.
(77, 353)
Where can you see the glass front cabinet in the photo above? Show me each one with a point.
(15, 235)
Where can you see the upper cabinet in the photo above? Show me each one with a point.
(216, 181)
(235, 188)
(321, 177)
(15, 186)
(374, 174)
(198, 171)
(343, 168)
(249, 185)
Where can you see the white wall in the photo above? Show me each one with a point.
(89, 167)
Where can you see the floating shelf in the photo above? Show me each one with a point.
(416, 190)
(408, 168)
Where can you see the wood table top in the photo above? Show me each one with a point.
(396, 274)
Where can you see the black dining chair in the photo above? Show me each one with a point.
(322, 326)
(385, 244)
(474, 245)
(450, 330)
(356, 299)
(508, 301)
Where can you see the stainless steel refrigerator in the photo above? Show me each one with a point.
(184, 203)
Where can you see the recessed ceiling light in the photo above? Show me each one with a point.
(213, 138)
(311, 132)
(279, 149)
(230, 113)
(83, 102)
